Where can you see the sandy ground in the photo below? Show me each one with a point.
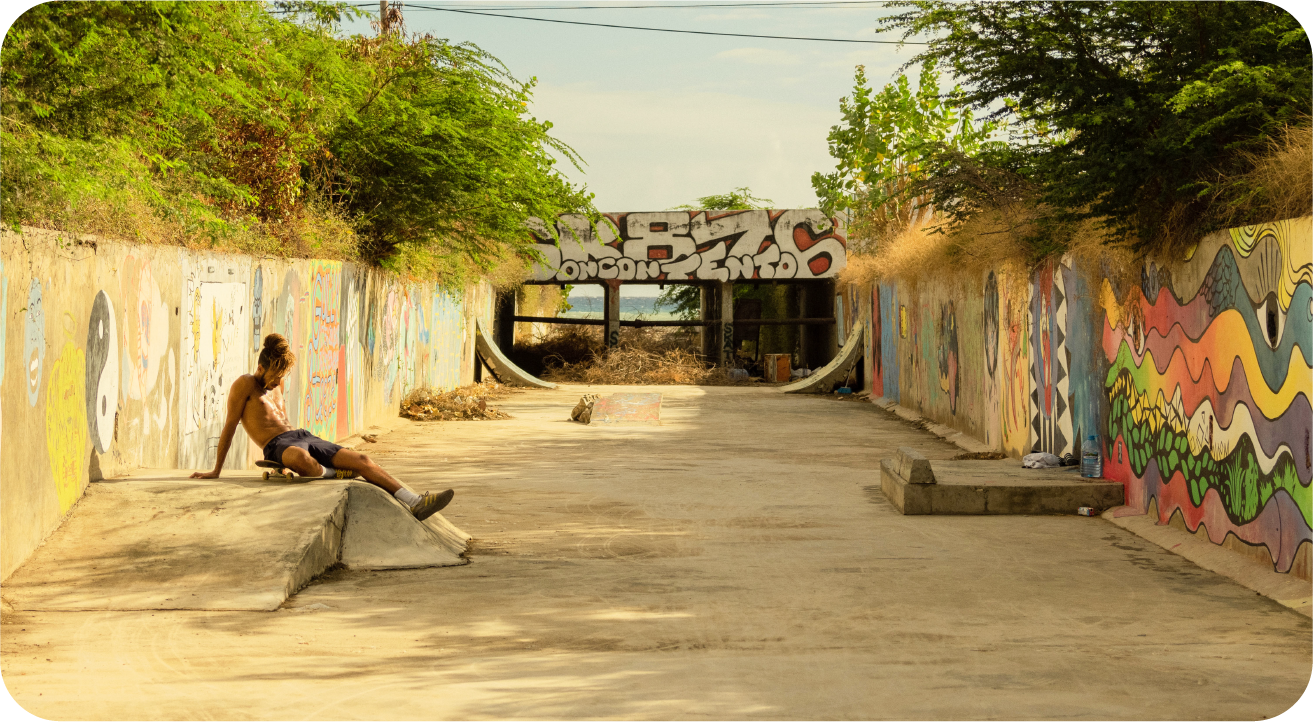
(737, 561)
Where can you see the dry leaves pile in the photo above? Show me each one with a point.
(467, 403)
(636, 365)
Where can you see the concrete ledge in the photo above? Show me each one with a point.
(1285, 589)
(996, 487)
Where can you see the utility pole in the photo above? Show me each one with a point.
(389, 17)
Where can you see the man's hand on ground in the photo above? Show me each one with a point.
(205, 475)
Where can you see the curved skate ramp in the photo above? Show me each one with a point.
(833, 373)
(507, 372)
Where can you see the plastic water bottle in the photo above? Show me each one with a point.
(1091, 458)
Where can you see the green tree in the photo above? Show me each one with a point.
(1159, 103)
(883, 145)
(685, 300)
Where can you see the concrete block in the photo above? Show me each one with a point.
(991, 487)
(914, 467)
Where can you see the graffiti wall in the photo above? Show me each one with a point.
(1207, 388)
(125, 355)
(691, 245)
(1194, 382)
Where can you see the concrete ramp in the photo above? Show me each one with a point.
(832, 374)
(507, 372)
(160, 541)
(380, 533)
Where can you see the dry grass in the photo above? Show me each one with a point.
(1280, 182)
(467, 403)
(988, 241)
(649, 356)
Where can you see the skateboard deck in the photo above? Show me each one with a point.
(278, 471)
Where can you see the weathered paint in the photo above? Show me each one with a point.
(129, 352)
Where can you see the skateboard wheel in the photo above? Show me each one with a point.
(266, 476)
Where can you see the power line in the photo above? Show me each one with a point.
(664, 30)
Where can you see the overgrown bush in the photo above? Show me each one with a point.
(260, 128)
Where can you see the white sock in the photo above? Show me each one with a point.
(406, 496)
(329, 472)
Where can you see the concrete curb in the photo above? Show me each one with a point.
(1285, 589)
(947, 433)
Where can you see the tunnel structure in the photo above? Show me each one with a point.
(801, 250)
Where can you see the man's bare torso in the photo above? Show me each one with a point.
(264, 415)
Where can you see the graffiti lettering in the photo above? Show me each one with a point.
(692, 245)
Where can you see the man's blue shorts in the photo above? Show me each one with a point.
(320, 450)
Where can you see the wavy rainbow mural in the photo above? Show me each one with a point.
(1208, 385)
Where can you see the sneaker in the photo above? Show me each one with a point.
(431, 503)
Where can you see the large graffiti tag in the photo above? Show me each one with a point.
(691, 245)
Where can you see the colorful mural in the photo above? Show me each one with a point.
(319, 414)
(1050, 402)
(66, 423)
(1208, 388)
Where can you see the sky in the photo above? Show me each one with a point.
(662, 119)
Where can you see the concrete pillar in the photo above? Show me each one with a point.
(707, 334)
(819, 343)
(503, 321)
(611, 311)
(725, 300)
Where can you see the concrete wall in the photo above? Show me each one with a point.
(122, 356)
(1196, 380)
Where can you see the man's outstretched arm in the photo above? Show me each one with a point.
(237, 395)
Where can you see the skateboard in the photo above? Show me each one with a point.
(278, 471)
(275, 470)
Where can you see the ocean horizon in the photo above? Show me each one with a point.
(631, 309)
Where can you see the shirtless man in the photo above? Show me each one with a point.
(256, 401)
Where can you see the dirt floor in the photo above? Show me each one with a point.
(737, 561)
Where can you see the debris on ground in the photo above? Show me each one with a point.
(467, 403)
(650, 357)
(583, 411)
(980, 456)
(369, 438)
